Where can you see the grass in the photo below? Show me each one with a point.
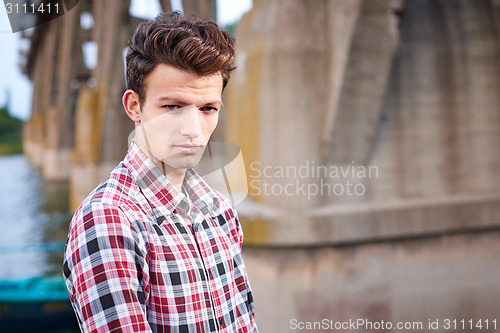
(11, 148)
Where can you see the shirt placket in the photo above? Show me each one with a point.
(200, 234)
(196, 218)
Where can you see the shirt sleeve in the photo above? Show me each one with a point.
(105, 267)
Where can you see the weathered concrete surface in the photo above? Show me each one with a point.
(56, 61)
(285, 98)
(431, 133)
(422, 241)
(454, 277)
(441, 129)
(277, 100)
(87, 168)
(103, 127)
(351, 131)
(112, 33)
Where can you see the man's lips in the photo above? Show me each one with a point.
(188, 148)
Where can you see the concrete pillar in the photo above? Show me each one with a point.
(351, 129)
(204, 9)
(40, 131)
(440, 130)
(166, 5)
(290, 58)
(111, 82)
(60, 117)
(420, 134)
(102, 126)
(405, 249)
(85, 164)
(33, 130)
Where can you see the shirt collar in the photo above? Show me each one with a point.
(201, 194)
(163, 196)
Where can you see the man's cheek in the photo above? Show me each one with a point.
(211, 128)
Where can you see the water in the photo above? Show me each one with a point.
(32, 212)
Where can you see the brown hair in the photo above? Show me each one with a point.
(188, 44)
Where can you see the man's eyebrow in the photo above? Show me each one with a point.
(180, 101)
(171, 100)
(217, 102)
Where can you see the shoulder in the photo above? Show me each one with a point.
(108, 203)
(101, 233)
(115, 189)
(104, 220)
(97, 222)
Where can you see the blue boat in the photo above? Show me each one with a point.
(36, 304)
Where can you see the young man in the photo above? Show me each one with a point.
(153, 248)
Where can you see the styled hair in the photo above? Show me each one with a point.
(191, 45)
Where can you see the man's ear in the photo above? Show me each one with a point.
(132, 106)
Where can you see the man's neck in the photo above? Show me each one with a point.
(175, 176)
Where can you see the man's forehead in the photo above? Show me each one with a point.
(172, 71)
(166, 81)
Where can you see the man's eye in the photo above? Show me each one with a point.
(172, 107)
(208, 109)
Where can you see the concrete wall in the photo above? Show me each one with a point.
(409, 88)
(448, 277)
(417, 128)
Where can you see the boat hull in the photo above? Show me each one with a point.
(37, 316)
(36, 304)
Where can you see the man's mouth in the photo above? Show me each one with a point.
(188, 148)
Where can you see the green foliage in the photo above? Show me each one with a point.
(230, 28)
(10, 133)
(11, 148)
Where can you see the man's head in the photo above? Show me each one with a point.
(190, 45)
(177, 69)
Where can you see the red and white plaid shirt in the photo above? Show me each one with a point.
(143, 257)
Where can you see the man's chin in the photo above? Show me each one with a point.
(186, 162)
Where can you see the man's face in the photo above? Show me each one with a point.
(178, 115)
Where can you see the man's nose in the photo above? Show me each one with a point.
(191, 122)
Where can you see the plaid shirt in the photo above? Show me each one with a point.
(143, 257)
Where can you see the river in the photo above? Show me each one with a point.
(33, 213)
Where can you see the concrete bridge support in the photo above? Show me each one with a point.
(102, 127)
(400, 100)
(55, 63)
